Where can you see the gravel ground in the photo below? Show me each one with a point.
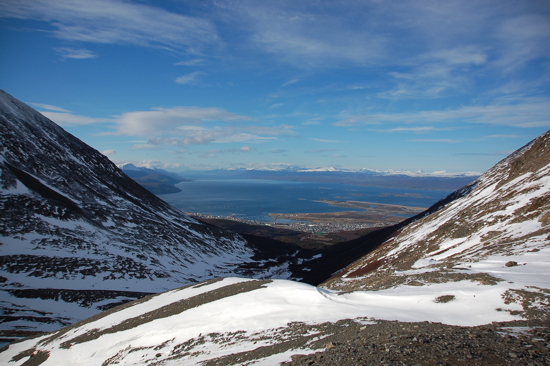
(425, 343)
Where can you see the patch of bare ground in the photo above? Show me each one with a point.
(384, 280)
(370, 342)
(426, 343)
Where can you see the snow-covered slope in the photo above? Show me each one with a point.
(495, 235)
(78, 235)
(239, 322)
(482, 257)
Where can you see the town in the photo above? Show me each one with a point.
(331, 226)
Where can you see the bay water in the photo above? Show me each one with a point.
(254, 199)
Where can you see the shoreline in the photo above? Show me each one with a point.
(372, 214)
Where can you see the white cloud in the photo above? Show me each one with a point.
(311, 123)
(449, 141)
(235, 136)
(179, 126)
(117, 22)
(520, 112)
(357, 120)
(523, 38)
(50, 107)
(318, 151)
(171, 121)
(424, 129)
(109, 152)
(327, 141)
(69, 119)
(277, 151)
(192, 62)
(75, 53)
(242, 149)
(146, 147)
(191, 78)
(182, 126)
(504, 136)
(290, 82)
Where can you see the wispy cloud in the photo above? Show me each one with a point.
(448, 141)
(319, 151)
(179, 126)
(424, 129)
(242, 149)
(503, 136)
(192, 62)
(69, 119)
(75, 53)
(521, 37)
(290, 82)
(191, 78)
(171, 121)
(277, 151)
(182, 126)
(499, 153)
(521, 112)
(147, 147)
(311, 122)
(312, 36)
(117, 22)
(50, 107)
(358, 120)
(327, 141)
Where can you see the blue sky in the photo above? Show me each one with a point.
(415, 85)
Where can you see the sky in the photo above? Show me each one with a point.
(425, 85)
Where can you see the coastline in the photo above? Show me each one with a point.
(372, 214)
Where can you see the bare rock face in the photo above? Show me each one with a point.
(494, 228)
(78, 235)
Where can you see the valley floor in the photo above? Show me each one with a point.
(316, 230)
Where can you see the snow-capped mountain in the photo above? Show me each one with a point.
(78, 235)
(331, 169)
(482, 255)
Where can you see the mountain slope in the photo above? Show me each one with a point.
(496, 232)
(235, 321)
(480, 257)
(76, 225)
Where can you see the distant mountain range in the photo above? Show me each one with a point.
(418, 173)
(365, 177)
(158, 181)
